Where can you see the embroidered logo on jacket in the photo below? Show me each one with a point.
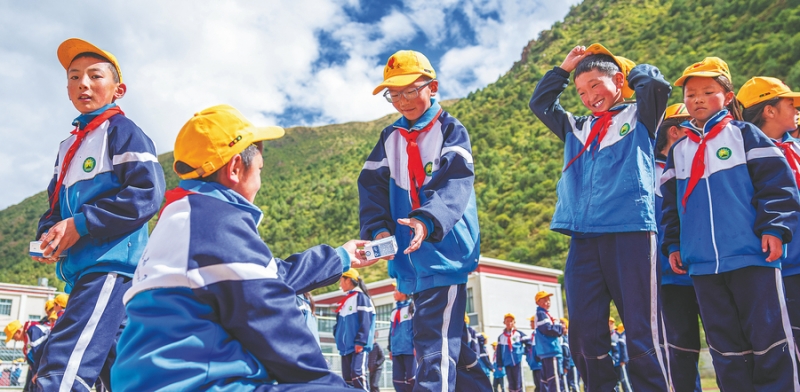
(89, 164)
(724, 153)
(428, 168)
(626, 129)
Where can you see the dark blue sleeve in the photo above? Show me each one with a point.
(652, 94)
(317, 267)
(49, 219)
(450, 188)
(141, 185)
(775, 195)
(546, 327)
(36, 339)
(545, 104)
(498, 353)
(366, 318)
(670, 219)
(373, 193)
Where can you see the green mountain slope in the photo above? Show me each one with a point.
(309, 192)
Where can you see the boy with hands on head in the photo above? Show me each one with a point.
(606, 204)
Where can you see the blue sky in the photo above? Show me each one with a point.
(290, 63)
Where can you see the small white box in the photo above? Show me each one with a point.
(383, 247)
(35, 250)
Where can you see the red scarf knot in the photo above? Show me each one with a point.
(416, 171)
(699, 160)
(599, 130)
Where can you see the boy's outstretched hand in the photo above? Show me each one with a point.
(420, 233)
(573, 58)
(773, 245)
(358, 258)
(59, 238)
(676, 263)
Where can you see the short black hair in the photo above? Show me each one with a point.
(661, 136)
(102, 58)
(601, 62)
(247, 155)
(755, 114)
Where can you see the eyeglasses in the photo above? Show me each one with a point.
(408, 94)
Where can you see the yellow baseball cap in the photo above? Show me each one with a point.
(708, 68)
(507, 315)
(61, 300)
(564, 321)
(494, 344)
(352, 273)
(542, 294)
(213, 136)
(620, 328)
(764, 88)
(75, 46)
(624, 64)
(532, 318)
(677, 110)
(403, 68)
(48, 306)
(466, 318)
(611, 320)
(11, 329)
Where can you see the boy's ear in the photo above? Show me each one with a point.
(619, 80)
(119, 92)
(434, 86)
(729, 96)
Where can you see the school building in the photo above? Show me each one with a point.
(23, 303)
(497, 287)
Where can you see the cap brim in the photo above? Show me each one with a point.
(794, 96)
(74, 46)
(397, 81)
(267, 133)
(702, 74)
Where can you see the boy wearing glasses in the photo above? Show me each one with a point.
(417, 185)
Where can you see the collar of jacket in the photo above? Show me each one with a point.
(84, 119)
(402, 304)
(423, 121)
(788, 138)
(690, 124)
(223, 193)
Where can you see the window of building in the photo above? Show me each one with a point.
(473, 317)
(5, 307)
(34, 317)
(383, 312)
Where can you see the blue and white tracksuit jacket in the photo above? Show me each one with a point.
(547, 335)
(37, 337)
(114, 185)
(485, 361)
(401, 334)
(609, 190)
(510, 353)
(747, 190)
(622, 348)
(668, 276)
(211, 308)
(534, 362)
(447, 200)
(355, 323)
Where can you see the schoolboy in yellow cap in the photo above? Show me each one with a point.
(510, 348)
(207, 276)
(417, 185)
(678, 299)
(355, 329)
(608, 159)
(771, 105)
(34, 336)
(106, 186)
(727, 174)
(401, 342)
(547, 338)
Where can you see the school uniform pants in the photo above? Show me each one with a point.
(792, 286)
(681, 314)
(404, 368)
(572, 379)
(551, 379)
(497, 384)
(622, 267)
(537, 380)
(354, 369)
(83, 343)
(375, 379)
(514, 374)
(747, 329)
(445, 361)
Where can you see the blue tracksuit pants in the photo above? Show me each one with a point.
(404, 368)
(551, 379)
(444, 360)
(681, 313)
(354, 369)
(537, 380)
(83, 344)
(747, 329)
(514, 374)
(792, 287)
(622, 267)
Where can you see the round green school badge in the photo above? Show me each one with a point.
(350, 308)
(724, 153)
(625, 129)
(89, 164)
(428, 168)
(405, 316)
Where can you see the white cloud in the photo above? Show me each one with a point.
(178, 57)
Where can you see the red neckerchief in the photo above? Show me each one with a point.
(792, 157)
(599, 129)
(416, 171)
(341, 304)
(508, 337)
(661, 165)
(80, 135)
(173, 195)
(699, 160)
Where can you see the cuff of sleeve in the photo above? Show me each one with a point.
(673, 248)
(375, 234)
(774, 233)
(427, 222)
(80, 224)
(345, 258)
(561, 72)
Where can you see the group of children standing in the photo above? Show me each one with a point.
(204, 298)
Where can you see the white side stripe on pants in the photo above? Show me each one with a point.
(787, 327)
(654, 311)
(445, 365)
(74, 363)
